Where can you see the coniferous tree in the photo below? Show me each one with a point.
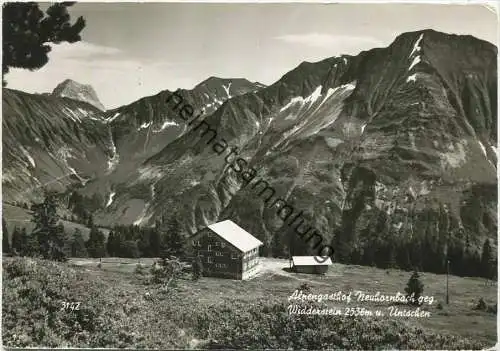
(111, 244)
(30, 244)
(459, 261)
(472, 260)
(176, 244)
(5, 237)
(416, 253)
(197, 268)
(50, 236)
(63, 249)
(342, 245)
(90, 221)
(487, 260)
(130, 249)
(403, 256)
(78, 247)
(96, 246)
(391, 261)
(414, 287)
(120, 238)
(368, 256)
(278, 246)
(28, 32)
(155, 243)
(143, 243)
(18, 246)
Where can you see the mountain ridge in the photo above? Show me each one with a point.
(368, 145)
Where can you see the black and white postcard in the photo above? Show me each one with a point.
(253, 175)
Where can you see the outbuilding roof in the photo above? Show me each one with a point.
(235, 235)
(311, 261)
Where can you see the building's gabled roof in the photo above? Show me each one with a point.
(235, 235)
(311, 261)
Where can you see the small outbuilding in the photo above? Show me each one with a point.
(310, 264)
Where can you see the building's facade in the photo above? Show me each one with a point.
(310, 264)
(227, 251)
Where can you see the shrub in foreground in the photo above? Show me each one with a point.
(265, 326)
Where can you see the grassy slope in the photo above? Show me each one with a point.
(124, 311)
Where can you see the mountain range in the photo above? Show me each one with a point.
(392, 143)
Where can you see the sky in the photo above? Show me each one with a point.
(132, 50)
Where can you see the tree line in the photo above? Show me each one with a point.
(420, 252)
(50, 240)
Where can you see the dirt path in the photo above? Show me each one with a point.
(270, 267)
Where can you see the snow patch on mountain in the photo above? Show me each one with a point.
(227, 89)
(72, 115)
(152, 190)
(455, 155)
(165, 125)
(115, 158)
(143, 216)
(483, 149)
(332, 100)
(28, 156)
(144, 125)
(495, 150)
(331, 91)
(416, 50)
(415, 61)
(115, 116)
(363, 128)
(82, 111)
(110, 199)
(333, 142)
(147, 173)
(417, 47)
(299, 99)
(412, 78)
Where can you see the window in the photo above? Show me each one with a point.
(222, 244)
(218, 253)
(217, 243)
(209, 260)
(234, 256)
(209, 248)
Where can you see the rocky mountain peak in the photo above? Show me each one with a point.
(77, 91)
